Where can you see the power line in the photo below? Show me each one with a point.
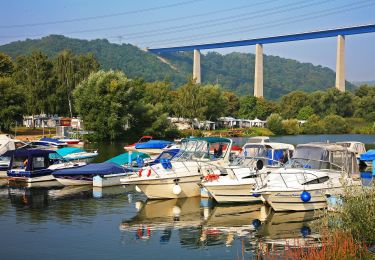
(101, 16)
(260, 26)
(146, 23)
(221, 21)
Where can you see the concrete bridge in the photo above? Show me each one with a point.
(340, 33)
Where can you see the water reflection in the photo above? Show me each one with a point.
(198, 224)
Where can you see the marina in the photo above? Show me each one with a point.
(119, 220)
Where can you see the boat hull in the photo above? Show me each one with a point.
(232, 193)
(291, 200)
(108, 180)
(32, 179)
(163, 188)
(73, 182)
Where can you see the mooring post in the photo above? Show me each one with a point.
(340, 63)
(197, 66)
(258, 77)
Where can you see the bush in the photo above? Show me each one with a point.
(356, 215)
(275, 124)
(291, 127)
(334, 124)
(313, 125)
(305, 113)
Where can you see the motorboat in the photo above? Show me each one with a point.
(180, 176)
(76, 154)
(358, 147)
(7, 143)
(234, 183)
(143, 139)
(316, 170)
(69, 141)
(101, 174)
(49, 142)
(152, 146)
(35, 165)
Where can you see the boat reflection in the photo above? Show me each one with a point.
(198, 223)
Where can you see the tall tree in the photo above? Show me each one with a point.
(35, 74)
(70, 70)
(108, 103)
(6, 65)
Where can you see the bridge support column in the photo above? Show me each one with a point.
(197, 66)
(258, 77)
(340, 63)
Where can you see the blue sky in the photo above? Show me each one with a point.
(157, 23)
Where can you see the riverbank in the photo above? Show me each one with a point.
(28, 134)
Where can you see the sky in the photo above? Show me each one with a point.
(166, 23)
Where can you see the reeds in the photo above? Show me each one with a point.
(336, 245)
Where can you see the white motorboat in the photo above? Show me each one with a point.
(242, 175)
(316, 170)
(180, 177)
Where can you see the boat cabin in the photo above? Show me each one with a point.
(205, 149)
(357, 147)
(28, 163)
(267, 154)
(324, 156)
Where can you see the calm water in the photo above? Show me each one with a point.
(113, 223)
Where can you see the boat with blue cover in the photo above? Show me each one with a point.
(102, 174)
(150, 147)
(35, 165)
(76, 154)
(49, 142)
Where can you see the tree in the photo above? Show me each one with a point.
(70, 70)
(247, 107)
(334, 124)
(11, 103)
(190, 101)
(108, 103)
(275, 124)
(6, 65)
(35, 74)
(233, 104)
(291, 127)
(292, 103)
(313, 125)
(214, 102)
(305, 113)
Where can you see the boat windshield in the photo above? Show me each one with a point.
(201, 150)
(322, 159)
(252, 153)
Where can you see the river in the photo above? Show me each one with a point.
(112, 223)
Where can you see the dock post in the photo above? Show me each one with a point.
(340, 63)
(197, 66)
(258, 77)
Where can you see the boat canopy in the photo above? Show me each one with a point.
(123, 159)
(168, 154)
(153, 144)
(325, 156)
(368, 156)
(68, 150)
(209, 139)
(51, 140)
(36, 158)
(103, 168)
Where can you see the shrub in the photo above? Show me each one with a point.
(313, 125)
(275, 124)
(291, 127)
(334, 124)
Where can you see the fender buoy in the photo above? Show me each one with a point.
(140, 172)
(149, 173)
(305, 196)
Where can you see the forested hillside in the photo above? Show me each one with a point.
(232, 71)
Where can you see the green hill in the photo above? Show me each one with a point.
(234, 71)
